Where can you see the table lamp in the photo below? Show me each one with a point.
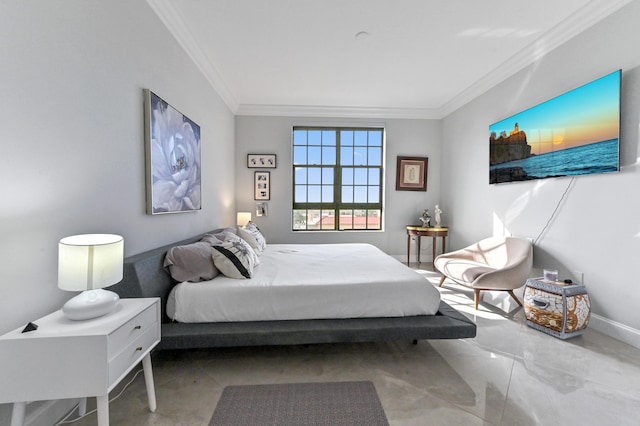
(242, 218)
(88, 263)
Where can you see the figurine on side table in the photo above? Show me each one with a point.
(438, 214)
(425, 219)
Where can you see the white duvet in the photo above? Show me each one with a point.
(309, 281)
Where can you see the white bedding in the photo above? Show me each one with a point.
(309, 281)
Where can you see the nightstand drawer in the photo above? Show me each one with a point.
(131, 330)
(132, 353)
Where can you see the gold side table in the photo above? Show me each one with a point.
(433, 232)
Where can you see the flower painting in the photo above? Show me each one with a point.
(172, 143)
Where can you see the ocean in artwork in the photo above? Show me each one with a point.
(598, 157)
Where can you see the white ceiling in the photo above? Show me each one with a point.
(419, 58)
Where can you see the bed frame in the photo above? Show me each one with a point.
(144, 276)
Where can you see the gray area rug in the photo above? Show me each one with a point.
(299, 404)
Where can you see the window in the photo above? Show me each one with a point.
(337, 178)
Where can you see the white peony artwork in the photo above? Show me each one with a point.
(173, 158)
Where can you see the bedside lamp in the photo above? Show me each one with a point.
(243, 218)
(88, 263)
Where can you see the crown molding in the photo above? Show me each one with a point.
(175, 23)
(586, 17)
(337, 111)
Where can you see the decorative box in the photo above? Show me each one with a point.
(559, 309)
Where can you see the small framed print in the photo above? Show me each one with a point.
(262, 186)
(261, 161)
(411, 173)
(262, 209)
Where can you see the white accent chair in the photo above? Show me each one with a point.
(496, 263)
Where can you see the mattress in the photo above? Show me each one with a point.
(309, 281)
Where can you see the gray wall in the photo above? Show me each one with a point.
(595, 231)
(72, 158)
(403, 137)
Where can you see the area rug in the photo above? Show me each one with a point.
(299, 404)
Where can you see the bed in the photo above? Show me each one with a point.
(285, 314)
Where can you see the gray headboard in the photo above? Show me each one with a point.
(144, 275)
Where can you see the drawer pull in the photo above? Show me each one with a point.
(137, 327)
(542, 304)
(139, 348)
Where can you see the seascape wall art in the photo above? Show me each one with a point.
(576, 133)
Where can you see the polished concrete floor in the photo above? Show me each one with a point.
(508, 375)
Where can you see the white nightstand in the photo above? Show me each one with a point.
(75, 359)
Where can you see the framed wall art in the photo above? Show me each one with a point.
(172, 154)
(411, 173)
(261, 161)
(262, 209)
(262, 186)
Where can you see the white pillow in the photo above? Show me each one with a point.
(234, 257)
(259, 240)
(251, 240)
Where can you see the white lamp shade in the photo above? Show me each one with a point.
(243, 218)
(90, 261)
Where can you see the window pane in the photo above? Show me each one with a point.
(375, 156)
(313, 219)
(314, 155)
(329, 137)
(299, 219)
(327, 175)
(361, 176)
(360, 138)
(375, 138)
(313, 194)
(374, 176)
(347, 176)
(328, 155)
(300, 194)
(346, 156)
(346, 137)
(315, 175)
(299, 155)
(359, 219)
(360, 194)
(360, 156)
(374, 194)
(327, 193)
(301, 175)
(314, 137)
(328, 220)
(299, 137)
(347, 194)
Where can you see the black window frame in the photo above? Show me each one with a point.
(337, 206)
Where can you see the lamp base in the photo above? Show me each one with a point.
(90, 304)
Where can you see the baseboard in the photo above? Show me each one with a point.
(618, 331)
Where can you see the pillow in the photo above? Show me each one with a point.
(211, 239)
(191, 262)
(251, 233)
(251, 239)
(222, 234)
(230, 234)
(234, 257)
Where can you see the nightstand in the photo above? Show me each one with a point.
(556, 308)
(76, 359)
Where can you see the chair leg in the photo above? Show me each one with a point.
(444, 277)
(476, 297)
(514, 297)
